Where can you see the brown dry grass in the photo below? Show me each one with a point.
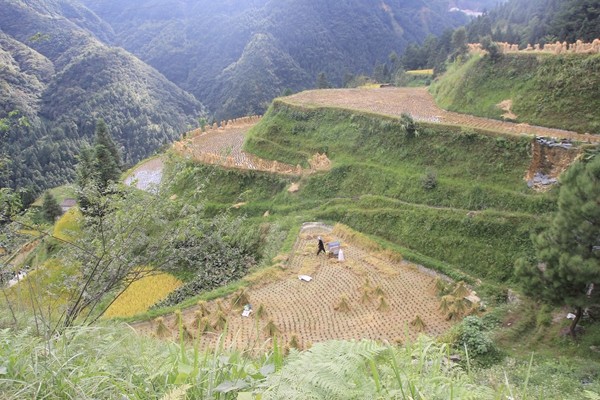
(266, 275)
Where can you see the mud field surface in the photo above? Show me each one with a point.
(397, 292)
(146, 175)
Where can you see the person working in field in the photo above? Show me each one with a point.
(321, 246)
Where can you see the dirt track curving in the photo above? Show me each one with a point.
(308, 309)
(420, 104)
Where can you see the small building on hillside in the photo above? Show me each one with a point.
(67, 204)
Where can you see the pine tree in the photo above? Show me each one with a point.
(569, 250)
(107, 158)
(87, 175)
(322, 82)
(104, 138)
(98, 167)
(459, 43)
(50, 208)
(108, 169)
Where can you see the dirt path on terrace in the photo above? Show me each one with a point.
(420, 104)
(307, 310)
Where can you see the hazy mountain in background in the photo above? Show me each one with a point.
(235, 56)
(66, 63)
(56, 71)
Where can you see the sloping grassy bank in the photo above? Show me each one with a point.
(547, 90)
(481, 244)
(457, 198)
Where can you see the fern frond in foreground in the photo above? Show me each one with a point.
(368, 370)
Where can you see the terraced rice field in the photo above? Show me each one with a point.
(420, 104)
(307, 310)
(223, 146)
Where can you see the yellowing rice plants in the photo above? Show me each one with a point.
(68, 225)
(142, 294)
(420, 72)
(45, 285)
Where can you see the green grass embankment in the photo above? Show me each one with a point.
(476, 220)
(546, 90)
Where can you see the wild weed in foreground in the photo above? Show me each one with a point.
(111, 362)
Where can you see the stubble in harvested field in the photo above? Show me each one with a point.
(364, 300)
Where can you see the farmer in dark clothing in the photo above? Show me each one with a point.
(321, 246)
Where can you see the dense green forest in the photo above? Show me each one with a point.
(542, 21)
(57, 79)
(519, 22)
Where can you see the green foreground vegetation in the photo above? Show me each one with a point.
(450, 199)
(112, 362)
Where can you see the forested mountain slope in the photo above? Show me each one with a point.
(236, 56)
(541, 21)
(60, 69)
(57, 73)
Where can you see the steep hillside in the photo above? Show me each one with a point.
(548, 90)
(458, 198)
(59, 76)
(203, 46)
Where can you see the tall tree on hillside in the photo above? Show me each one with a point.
(568, 271)
(98, 168)
(104, 138)
(50, 207)
(108, 169)
(459, 43)
(108, 160)
(322, 82)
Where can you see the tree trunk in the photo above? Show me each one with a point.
(578, 314)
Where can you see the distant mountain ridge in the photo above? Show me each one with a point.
(210, 48)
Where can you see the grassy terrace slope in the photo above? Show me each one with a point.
(477, 219)
(556, 91)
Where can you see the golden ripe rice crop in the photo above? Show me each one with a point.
(423, 72)
(142, 294)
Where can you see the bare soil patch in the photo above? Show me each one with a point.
(506, 106)
(367, 296)
(420, 104)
